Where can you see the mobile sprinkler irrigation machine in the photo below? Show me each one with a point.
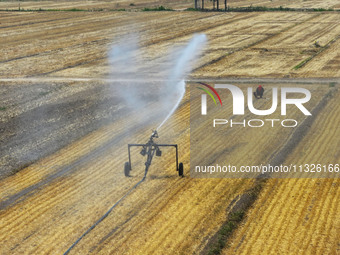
(149, 149)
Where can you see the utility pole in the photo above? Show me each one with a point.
(202, 4)
(218, 5)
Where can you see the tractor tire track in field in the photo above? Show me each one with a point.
(105, 215)
(47, 52)
(279, 157)
(117, 229)
(101, 243)
(187, 32)
(213, 61)
(36, 22)
(104, 41)
(155, 42)
(327, 46)
(239, 206)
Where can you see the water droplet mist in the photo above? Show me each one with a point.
(128, 62)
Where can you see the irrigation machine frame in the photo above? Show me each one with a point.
(150, 149)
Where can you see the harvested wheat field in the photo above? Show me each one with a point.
(65, 125)
(295, 215)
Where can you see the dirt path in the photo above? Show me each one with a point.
(320, 80)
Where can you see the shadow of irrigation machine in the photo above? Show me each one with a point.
(150, 149)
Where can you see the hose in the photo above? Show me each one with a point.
(105, 215)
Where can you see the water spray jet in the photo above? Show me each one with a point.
(174, 87)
